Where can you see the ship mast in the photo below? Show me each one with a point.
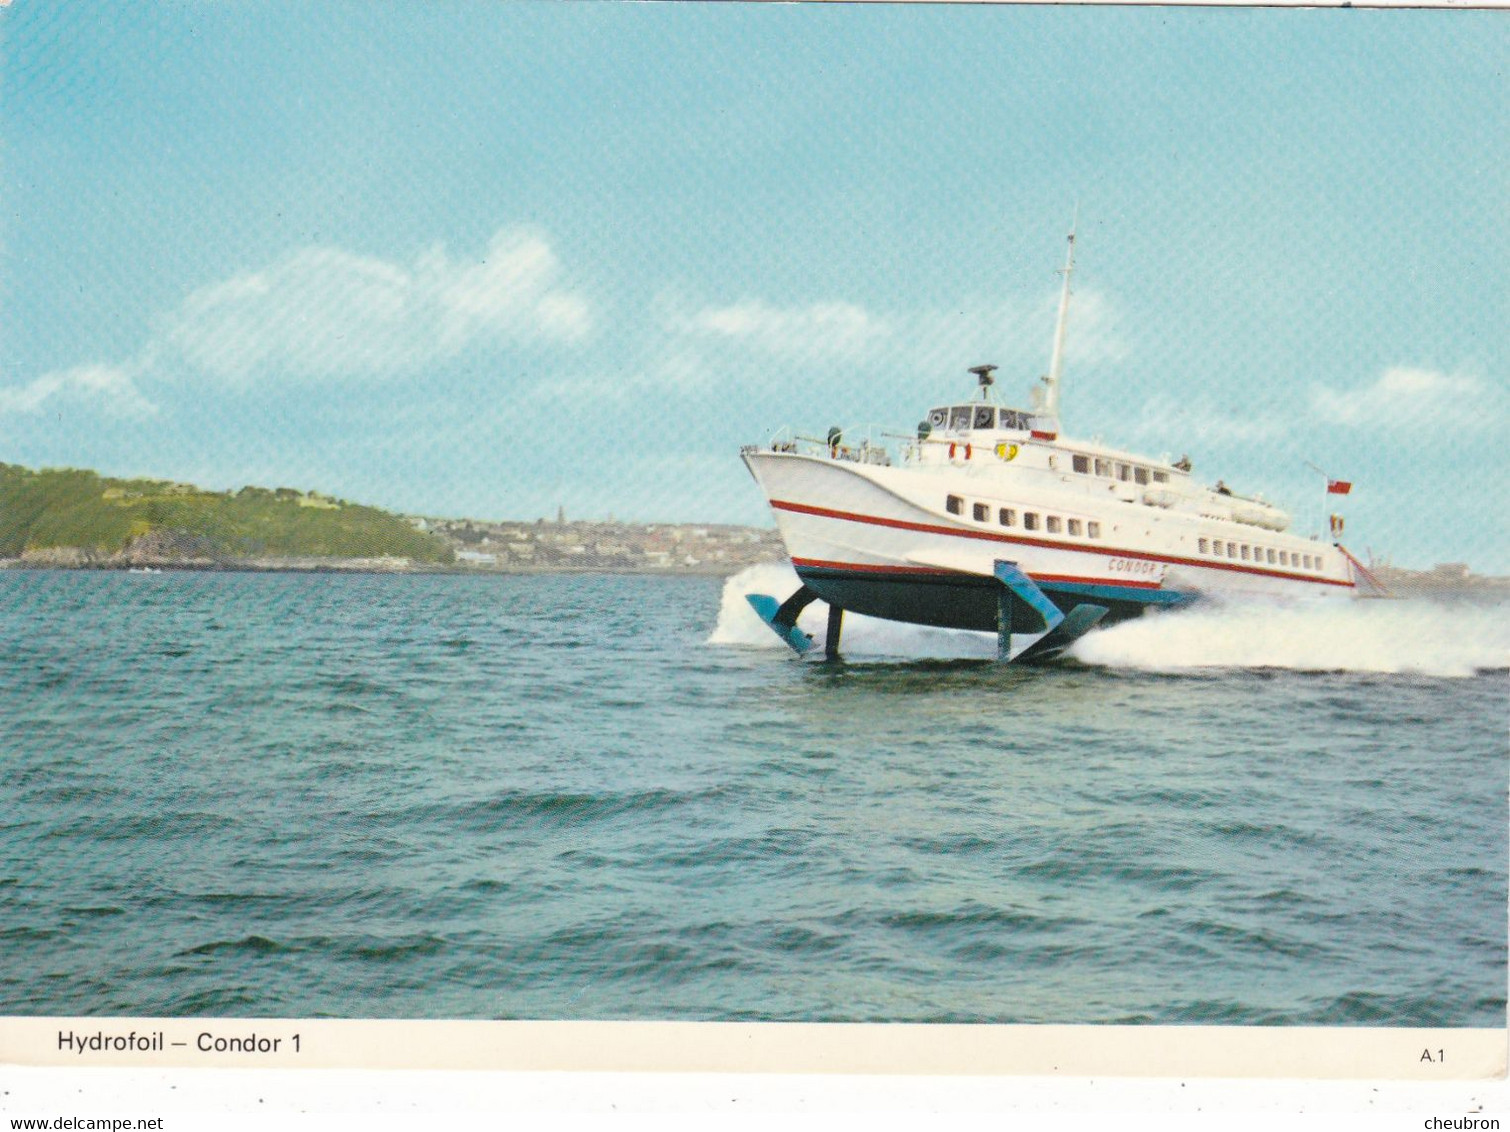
(1056, 364)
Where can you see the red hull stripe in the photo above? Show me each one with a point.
(992, 536)
(1119, 583)
(931, 572)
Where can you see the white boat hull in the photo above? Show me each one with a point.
(878, 540)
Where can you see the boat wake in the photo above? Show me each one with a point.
(1418, 636)
(1444, 638)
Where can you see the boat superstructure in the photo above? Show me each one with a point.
(989, 518)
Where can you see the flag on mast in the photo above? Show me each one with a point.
(1338, 487)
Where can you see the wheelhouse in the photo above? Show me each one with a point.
(978, 416)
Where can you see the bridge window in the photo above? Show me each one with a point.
(1030, 520)
(1075, 527)
(1103, 467)
(982, 513)
(1007, 517)
(1093, 529)
(1203, 544)
(1082, 464)
(1054, 524)
(959, 417)
(1124, 472)
(954, 505)
(1140, 475)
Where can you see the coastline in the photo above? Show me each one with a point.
(357, 566)
(447, 546)
(1402, 583)
(366, 566)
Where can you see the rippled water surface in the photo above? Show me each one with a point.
(610, 797)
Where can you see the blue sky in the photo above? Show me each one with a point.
(485, 259)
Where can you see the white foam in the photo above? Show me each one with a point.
(1418, 636)
(1408, 636)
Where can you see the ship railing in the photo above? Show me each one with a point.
(857, 444)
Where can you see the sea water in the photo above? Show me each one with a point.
(599, 797)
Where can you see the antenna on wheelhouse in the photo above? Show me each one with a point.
(983, 376)
(1056, 364)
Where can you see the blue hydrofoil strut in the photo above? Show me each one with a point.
(1022, 608)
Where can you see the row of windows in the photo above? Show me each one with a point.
(1116, 469)
(1217, 548)
(1076, 528)
(1031, 520)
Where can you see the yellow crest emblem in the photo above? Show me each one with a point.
(1005, 451)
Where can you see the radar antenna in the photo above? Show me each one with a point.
(983, 376)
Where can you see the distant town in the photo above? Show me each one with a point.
(561, 545)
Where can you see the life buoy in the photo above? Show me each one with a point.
(967, 452)
(951, 450)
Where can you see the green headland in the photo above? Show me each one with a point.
(80, 519)
(70, 517)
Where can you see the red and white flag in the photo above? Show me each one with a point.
(1338, 487)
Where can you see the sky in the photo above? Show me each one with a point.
(491, 259)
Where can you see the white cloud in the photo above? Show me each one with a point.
(845, 340)
(839, 330)
(1093, 332)
(819, 330)
(1408, 397)
(1199, 424)
(327, 312)
(105, 389)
